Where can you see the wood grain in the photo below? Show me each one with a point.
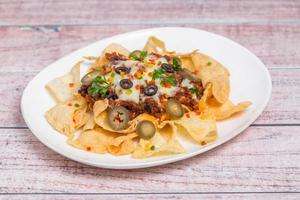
(33, 48)
(261, 163)
(282, 196)
(284, 106)
(32, 12)
(262, 159)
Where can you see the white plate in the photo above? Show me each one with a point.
(249, 79)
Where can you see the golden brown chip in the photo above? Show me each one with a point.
(69, 116)
(213, 72)
(63, 88)
(110, 49)
(226, 110)
(198, 128)
(96, 140)
(155, 45)
(122, 145)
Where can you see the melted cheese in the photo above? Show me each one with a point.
(133, 94)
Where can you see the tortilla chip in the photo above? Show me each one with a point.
(164, 142)
(155, 45)
(198, 128)
(226, 110)
(69, 116)
(109, 49)
(202, 104)
(213, 72)
(63, 88)
(90, 124)
(122, 145)
(95, 140)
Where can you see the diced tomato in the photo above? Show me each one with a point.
(138, 87)
(71, 85)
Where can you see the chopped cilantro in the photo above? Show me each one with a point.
(169, 79)
(152, 148)
(143, 55)
(160, 74)
(99, 86)
(194, 90)
(176, 64)
(208, 63)
(139, 57)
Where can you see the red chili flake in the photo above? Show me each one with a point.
(69, 104)
(196, 71)
(88, 148)
(110, 89)
(188, 115)
(138, 87)
(198, 113)
(71, 85)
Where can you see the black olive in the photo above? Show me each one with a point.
(118, 117)
(150, 90)
(89, 77)
(190, 75)
(167, 67)
(174, 108)
(145, 129)
(126, 83)
(122, 69)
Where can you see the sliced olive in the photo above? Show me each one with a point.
(146, 129)
(167, 67)
(89, 77)
(122, 69)
(190, 75)
(126, 83)
(150, 90)
(118, 117)
(174, 108)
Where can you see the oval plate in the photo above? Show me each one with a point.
(249, 79)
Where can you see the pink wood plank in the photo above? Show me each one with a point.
(283, 108)
(262, 159)
(35, 12)
(285, 196)
(32, 49)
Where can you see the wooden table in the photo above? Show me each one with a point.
(261, 163)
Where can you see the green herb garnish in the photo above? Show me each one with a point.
(169, 79)
(176, 64)
(143, 55)
(208, 63)
(139, 57)
(99, 86)
(194, 90)
(152, 148)
(161, 74)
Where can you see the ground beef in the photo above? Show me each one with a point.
(134, 108)
(153, 108)
(184, 96)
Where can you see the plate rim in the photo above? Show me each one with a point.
(167, 160)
